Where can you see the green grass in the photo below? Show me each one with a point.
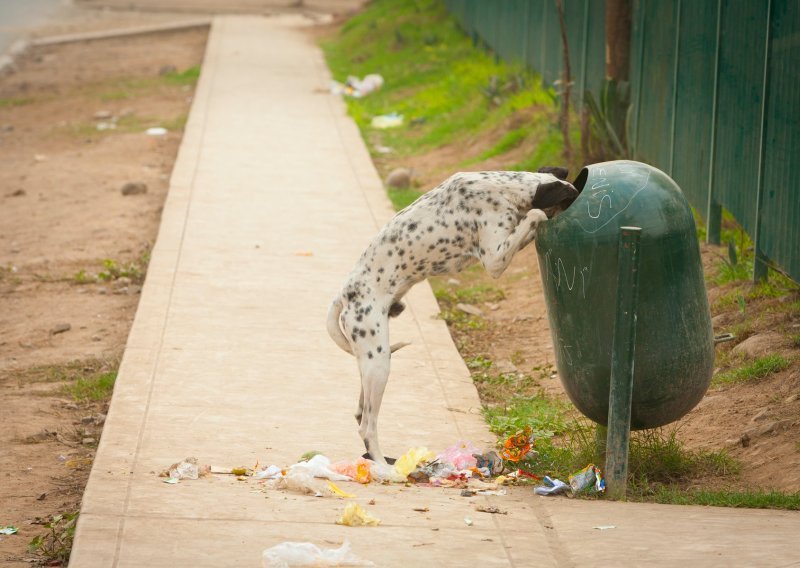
(93, 387)
(509, 141)
(447, 89)
(128, 87)
(402, 198)
(15, 102)
(475, 294)
(721, 498)
(757, 369)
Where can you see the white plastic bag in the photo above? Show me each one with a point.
(318, 466)
(288, 554)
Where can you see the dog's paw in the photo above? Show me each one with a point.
(390, 461)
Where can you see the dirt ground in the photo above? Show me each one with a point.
(63, 217)
(72, 134)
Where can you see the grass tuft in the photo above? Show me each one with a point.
(757, 369)
(92, 388)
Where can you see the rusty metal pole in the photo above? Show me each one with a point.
(622, 363)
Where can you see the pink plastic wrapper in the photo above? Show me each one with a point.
(460, 455)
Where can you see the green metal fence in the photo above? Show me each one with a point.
(715, 94)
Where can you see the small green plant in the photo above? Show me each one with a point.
(795, 339)
(188, 76)
(15, 102)
(757, 369)
(610, 117)
(55, 545)
(112, 270)
(517, 358)
(479, 362)
(83, 277)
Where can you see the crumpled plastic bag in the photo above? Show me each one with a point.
(359, 471)
(300, 482)
(318, 466)
(409, 461)
(552, 487)
(187, 469)
(461, 455)
(271, 472)
(382, 472)
(289, 554)
(356, 516)
(391, 120)
(589, 477)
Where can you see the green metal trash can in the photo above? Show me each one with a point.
(577, 250)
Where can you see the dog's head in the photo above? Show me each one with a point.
(555, 196)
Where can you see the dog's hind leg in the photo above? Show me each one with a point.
(374, 359)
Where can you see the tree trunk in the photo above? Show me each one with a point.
(566, 78)
(618, 39)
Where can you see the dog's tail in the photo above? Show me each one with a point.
(334, 330)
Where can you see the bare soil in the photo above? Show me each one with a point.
(63, 221)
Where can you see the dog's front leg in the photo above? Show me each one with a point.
(499, 247)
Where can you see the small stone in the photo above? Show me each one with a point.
(134, 289)
(100, 419)
(471, 310)
(760, 415)
(453, 281)
(745, 440)
(493, 307)
(87, 419)
(88, 441)
(760, 345)
(167, 69)
(97, 338)
(60, 328)
(134, 188)
(504, 366)
(102, 115)
(399, 178)
(41, 497)
(18, 193)
(791, 398)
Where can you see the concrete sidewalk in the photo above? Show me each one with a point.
(272, 200)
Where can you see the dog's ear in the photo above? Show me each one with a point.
(558, 171)
(554, 193)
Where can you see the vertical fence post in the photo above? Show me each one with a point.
(713, 208)
(677, 51)
(760, 265)
(622, 363)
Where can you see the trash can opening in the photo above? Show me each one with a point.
(580, 181)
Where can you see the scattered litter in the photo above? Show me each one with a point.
(589, 477)
(103, 115)
(187, 469)
(77, 463)
(358, 471)
(304, 253)
(519, 445)
(605, 527)
(384, 149)
(308, 455)
(271, 472)
(7, 530)
(461, 455)
(421, 509)
(299, 482)
(357, 88)
(492, 510)
(391, 120)
(409, 461)
(467, 493)
(552, 487)
(355, 516)
(317, 466)
(171, 480)
(289, 554)
(468, 521)
(106, 126)
(489, 463)
(338, 492)
(156, 131)
(384, 473)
